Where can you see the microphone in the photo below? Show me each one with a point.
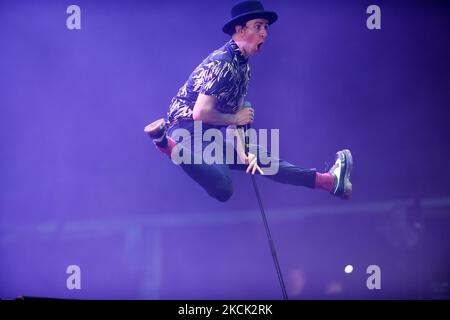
(247, 104)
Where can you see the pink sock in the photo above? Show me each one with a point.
(168, 149)
(324, 181)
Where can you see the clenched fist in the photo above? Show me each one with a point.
(244, 116)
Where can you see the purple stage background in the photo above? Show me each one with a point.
(81, 184)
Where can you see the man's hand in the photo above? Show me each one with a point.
(252, 162)
(244, 116)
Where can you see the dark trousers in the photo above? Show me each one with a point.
(215, 178)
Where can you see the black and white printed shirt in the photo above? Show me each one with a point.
(224, 74)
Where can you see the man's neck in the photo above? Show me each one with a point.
(240, 44)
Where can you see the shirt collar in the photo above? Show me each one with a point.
(235, 48)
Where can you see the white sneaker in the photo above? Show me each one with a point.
(341, 172)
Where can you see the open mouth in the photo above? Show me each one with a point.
(259, 45)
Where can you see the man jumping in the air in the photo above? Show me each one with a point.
(214, 94)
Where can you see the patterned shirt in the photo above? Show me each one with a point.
(224, 74)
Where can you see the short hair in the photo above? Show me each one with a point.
(242, 24)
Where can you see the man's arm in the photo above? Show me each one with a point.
(204, 110)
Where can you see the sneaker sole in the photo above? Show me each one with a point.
(154, 129)
(347, 156)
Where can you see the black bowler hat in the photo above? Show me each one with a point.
(245, 11)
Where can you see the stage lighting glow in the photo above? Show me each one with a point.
(348, 268)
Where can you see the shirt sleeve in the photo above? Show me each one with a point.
(218, 81)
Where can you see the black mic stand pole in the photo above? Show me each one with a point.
(263, 214)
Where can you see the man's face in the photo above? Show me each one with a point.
(254, 35)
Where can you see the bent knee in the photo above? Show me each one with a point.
(222, 191)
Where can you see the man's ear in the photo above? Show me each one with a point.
(238, 28)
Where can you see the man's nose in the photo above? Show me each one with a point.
(263, 34)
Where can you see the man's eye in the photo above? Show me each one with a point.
(258, 27)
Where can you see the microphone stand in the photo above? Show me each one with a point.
(264, 218)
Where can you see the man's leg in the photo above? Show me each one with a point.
(157, 131)
(336, 180)
(213, 178)
(287, 172)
